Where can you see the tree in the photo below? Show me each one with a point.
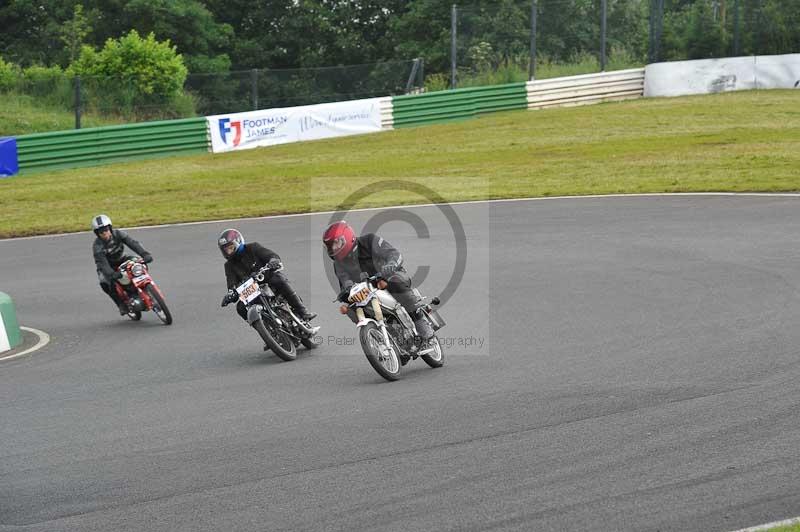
(74, 32)
(423, 30)
(29, 34)
(704, 35)
(189, 25)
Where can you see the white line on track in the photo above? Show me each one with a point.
(471, 202)
(769, 526)
(44, 339)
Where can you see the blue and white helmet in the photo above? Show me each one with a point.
(100, 221)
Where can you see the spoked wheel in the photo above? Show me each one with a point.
(159, 307)
(435, 358)
(277, 340)
(382, 358)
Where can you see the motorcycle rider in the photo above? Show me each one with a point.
(243, 259)
(373, 255)
(108, 250)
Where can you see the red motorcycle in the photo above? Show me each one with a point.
(139, 292)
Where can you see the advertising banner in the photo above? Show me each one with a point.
(707, 76)
(241, 131)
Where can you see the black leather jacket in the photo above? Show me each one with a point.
(109, 255)
(239, 267)
(369, 255)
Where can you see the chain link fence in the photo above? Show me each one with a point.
(263, 89)
(495, 44)
(209, 94)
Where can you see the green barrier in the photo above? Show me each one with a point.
(101, 145)
(10, 334)
(459, 104)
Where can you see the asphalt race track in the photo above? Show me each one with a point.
(623, 363)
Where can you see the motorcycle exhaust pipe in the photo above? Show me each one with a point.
(307, 330)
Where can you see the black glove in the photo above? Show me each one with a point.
(274, 264)
(344, 294)
(229, 298)
(388, 269)
(116, 276)
(147, 258)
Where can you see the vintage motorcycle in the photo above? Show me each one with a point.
(272, 317)
(387, 332)
(137, 289)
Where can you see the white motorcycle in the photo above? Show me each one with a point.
(387, 332)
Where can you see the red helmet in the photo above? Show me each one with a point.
(339, 239)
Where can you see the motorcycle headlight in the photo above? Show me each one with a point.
(137, 270)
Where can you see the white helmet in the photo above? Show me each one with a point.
(100, 221)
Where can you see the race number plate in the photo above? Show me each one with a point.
(248, 291)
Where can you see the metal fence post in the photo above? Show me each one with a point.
(651, 33)
(736, 35)
(656, 26)
(659, 29)
(603, 12)
(453, 28)
(77, 102)
(532, 64)
(412, 77)
(254, 88)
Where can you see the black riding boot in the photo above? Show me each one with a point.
(297, 305)
(112, 293)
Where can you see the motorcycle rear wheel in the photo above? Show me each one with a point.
(435, 359)
(382, 359)
(308, 343)
(277, 340)
(164, 314)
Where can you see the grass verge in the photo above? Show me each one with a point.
(745, 141)
(22, 113)
(787, 528)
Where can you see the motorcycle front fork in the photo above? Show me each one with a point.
(378, 311)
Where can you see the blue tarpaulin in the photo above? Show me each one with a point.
(8, 156)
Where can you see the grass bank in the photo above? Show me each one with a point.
(23, 114)
(746, 141)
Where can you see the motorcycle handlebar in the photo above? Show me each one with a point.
(259, 275)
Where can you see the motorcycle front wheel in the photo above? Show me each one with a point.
(381, 357)
(159, 307)
(277, 340)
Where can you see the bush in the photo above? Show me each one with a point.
(501, 76)
(133, 75)
(437, 82)
(50, 83)
(9, 73)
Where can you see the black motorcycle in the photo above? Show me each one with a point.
(272, 317)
